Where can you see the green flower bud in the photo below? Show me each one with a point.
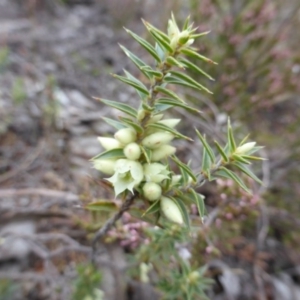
(141, 114)
(171, 210)
(125, 136)
(162, 152)
(109, 143)
(245, 148)
(157, 139)
(155, 172)
(106, 166)
(183, 37)
(128, 174)
(170, 122)
(155, 119)
(152, 191)
(132, 151)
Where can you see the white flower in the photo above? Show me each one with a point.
(125, 136)
(155, 172)
(171, 210)
(128, 174)
(132, 151)
(106, 166)
(245, 148)
(152, 191)
(109, 143)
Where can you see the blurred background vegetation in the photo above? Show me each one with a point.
(56, 55)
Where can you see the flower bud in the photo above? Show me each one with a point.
(170, 122)
(175, 179)
(155, 119)
(106, 166)
(152, 191)
(132, 151)
(245, 148)
(141, 114)
(171, 210)
(157, 139)
(162, 152)
(183, 37)
(109, 143)
(125, 135)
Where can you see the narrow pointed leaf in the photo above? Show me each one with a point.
(164, 127)
(241, 159)
(247, 171)
(171, 102)
(150, 71)
(147, 46)
(255, 149)
(161, 41)
(197, 35)
(256, 158)
(151, 27)
(206, 163)
(114, 153)
(230, 138)
(134, 83)
(168, 92)
(198, 199)
(194, 54)
(147, 153)
(183, 210)
(113, 123)
(178, 81)
(120, 106)
(206, 146)
(194, 68)
(174, 62)
(189, 80)
(222, 152)
(102, 205)
(159, 107)
(187, 169)
(132, 124)
(224, 172)
(137, 61)
(152, 208)
(160, 51)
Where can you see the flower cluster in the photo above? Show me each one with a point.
(139, 165)
(136, 157)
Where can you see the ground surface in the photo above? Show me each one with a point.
(53, 59)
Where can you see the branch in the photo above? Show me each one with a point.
(109, 224)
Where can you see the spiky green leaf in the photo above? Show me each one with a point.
(196, 55)
(120, 106)
(171, 103)
(230, 138)
(153, 208)
(137, 61)
(186, 168)
(113, 123)
(168, 92)
(224, 172)
(222, 152)
(188, 64)
(114, 153)
(132, 124)
(136, 84)
(102, 205)
(247, 171)
(189, 80)
(147, 46)
(164, 127)
(206, 146)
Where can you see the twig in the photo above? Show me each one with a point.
(69, 197)
(109, 224)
